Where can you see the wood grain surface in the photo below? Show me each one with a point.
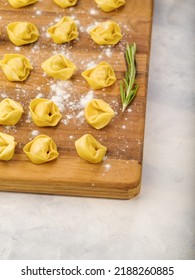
(119, 175)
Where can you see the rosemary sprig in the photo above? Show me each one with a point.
(128, 86)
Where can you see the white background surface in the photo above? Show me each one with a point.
(159, 224)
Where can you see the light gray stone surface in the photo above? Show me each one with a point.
(159, 224)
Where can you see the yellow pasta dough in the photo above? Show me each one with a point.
(10, 112)
(100, 76)
(106, 33)
(65, 3)
(7, 146)
(59, 67)
(98, 113)
(41, 150)
(22, 33)
(110, 5)
(16, 67)
(21, 3)
(90, 149)
(44, 112)
(64, 31)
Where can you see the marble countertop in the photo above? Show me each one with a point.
(159, 223)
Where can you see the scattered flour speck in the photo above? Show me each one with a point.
(77, 22)
(39, 13)
(35, 132)
(57, 19)
(108, 52)
(17, 49)
(107, 166)
(89, 27)
(4, 95)
(91, 64)
(40, 95)
(60, 93)
(93, 12)
(80, 115)
(81, 28)
(64, 121)
(85, 99)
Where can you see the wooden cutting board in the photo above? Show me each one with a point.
(119, 175)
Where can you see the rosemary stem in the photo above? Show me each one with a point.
(128, 87)
(124, 107)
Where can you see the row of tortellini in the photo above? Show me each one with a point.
(44, 112)
(105, 5)
(17, 69)
(40, 150)
(104, 33)
(43, 149)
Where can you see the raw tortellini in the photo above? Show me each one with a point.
(100, 76)
(22, 33)
(110, 5)
(65, 3)
(42, 149)
(44, 112)
(7, 146)
(21, 3)
(16, 67)
(98, 113)
(90, 149)
(64, 31)
(10, 112)
(59, 67)
(106, 33)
